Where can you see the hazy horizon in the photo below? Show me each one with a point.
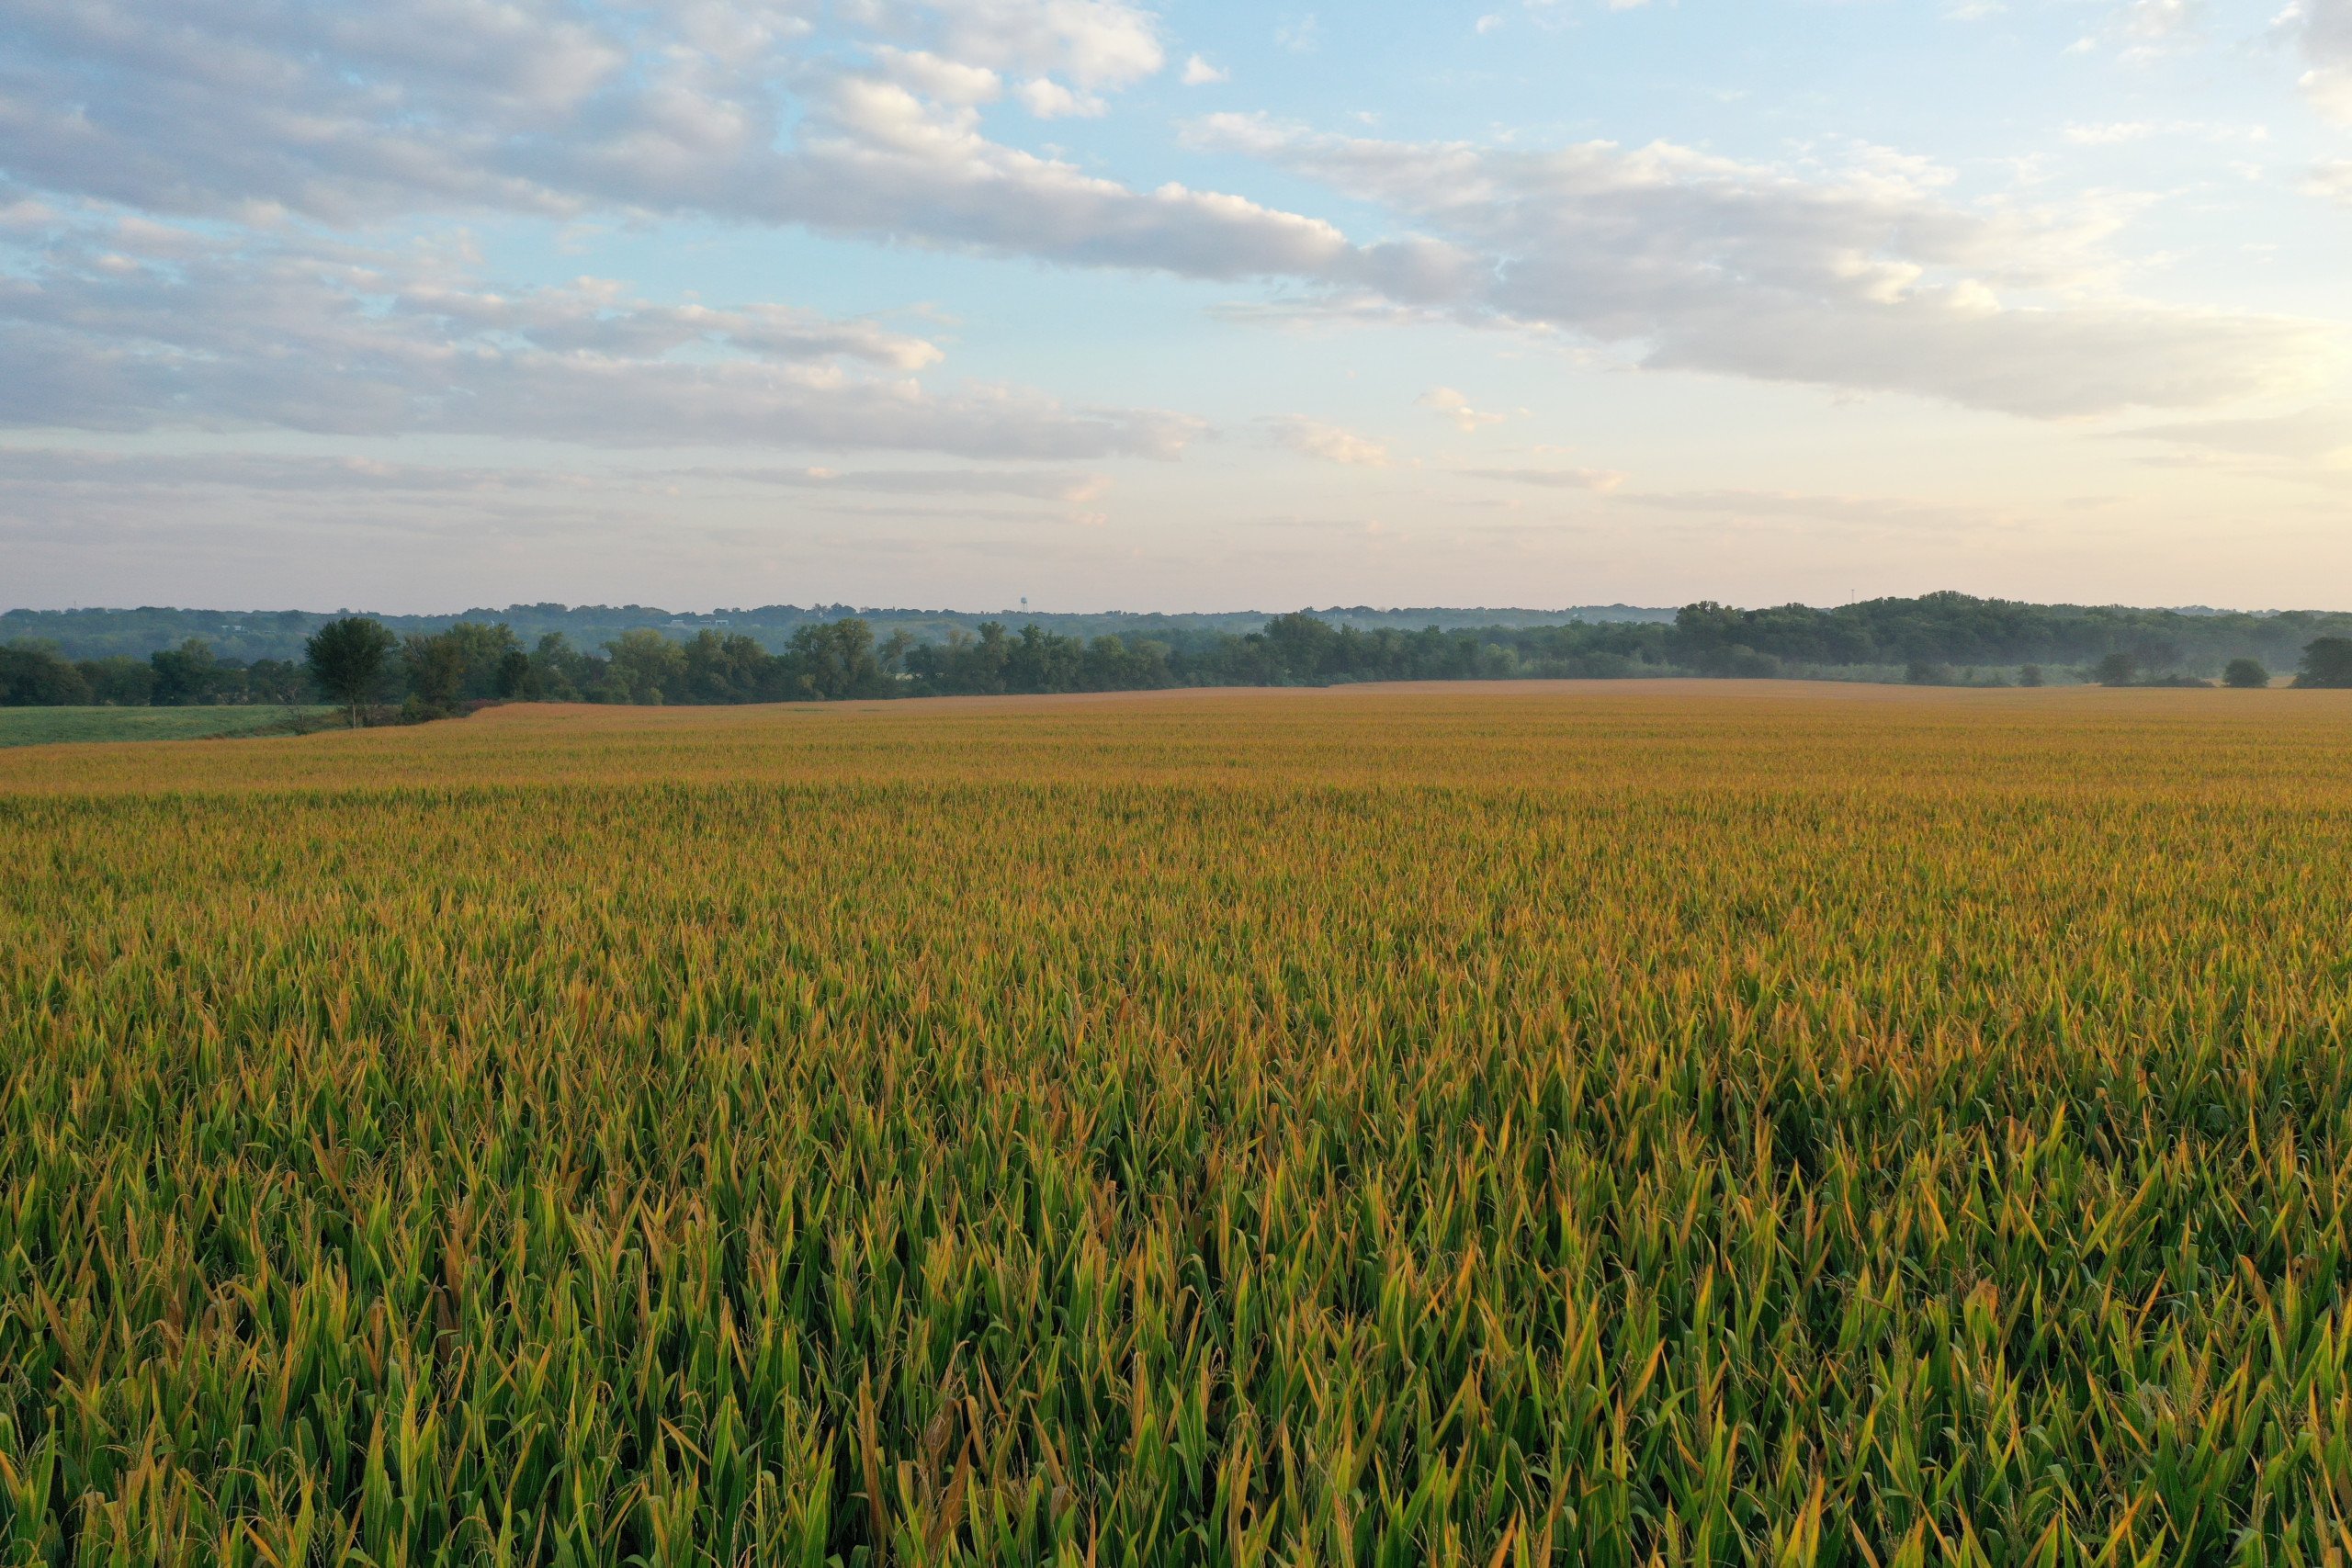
(455, 608)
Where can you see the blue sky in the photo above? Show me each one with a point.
(426, 303)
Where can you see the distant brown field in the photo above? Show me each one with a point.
(1606, 1123)
(1656, 733)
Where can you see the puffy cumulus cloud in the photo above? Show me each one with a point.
(98, 336)
(933, 76)
(341, 114)
(1869, 279)
(1095, 44)
(1048, 100)
(1331, 443)
(875, 159)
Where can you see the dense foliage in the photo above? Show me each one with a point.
(1871, 1127)
(244, 635)
(1939, 641)
(1955, 629)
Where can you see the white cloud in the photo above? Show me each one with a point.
(2159, 18)
(2141, 33)
(231, 109)
(2326, 30)
(933, 77)
(1457, 407)
(1333, 444)
(243, 337)
(1868, 279)
(1048, 100)
(2333, 181)
(1095, 44)
(1199, 73)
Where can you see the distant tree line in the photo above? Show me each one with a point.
(361, 666)
(1956, 631)
(244, 635)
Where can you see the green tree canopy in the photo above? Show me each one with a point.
(349, 659)
(2328, 662)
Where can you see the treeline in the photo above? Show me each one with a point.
(34, 674)
(1876, 636)
(360, 664)
(1957, 631)
(837, 659)
(246, 635)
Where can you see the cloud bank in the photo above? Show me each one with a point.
(1871, 279)
(141, 327)
(299, 112)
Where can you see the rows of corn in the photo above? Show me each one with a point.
(1312, 1128)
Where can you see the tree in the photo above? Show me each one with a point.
(557, 672)
(120, 680)
(349, 659)
(2328, 662)
(275, 681)
(435, 667)
(186, 676)
(836, 660)
(514, 672)
(34, 676)
(2118, 668)
(645, 667)
(2245, 674)
(2030, 676)
(481, 650)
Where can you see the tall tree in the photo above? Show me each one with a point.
(348, 659)
(435, 667)
(186, 676)
(2328, 662)
(34, 676)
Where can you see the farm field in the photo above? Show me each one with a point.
(1620, 1124)
(42, 725)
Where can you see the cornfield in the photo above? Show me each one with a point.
(1668, 1125)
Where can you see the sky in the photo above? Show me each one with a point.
(413, 305)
